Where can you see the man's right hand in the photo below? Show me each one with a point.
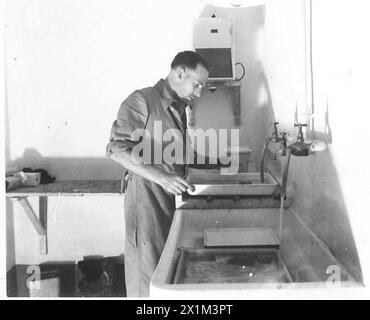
(170, 182)
(174, 184)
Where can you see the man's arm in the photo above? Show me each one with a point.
(133, 115)
(170, 182)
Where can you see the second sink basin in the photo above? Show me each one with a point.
(211, 182)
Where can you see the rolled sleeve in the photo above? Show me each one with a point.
(132, 115)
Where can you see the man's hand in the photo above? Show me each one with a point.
(170, 182)
(174, 184)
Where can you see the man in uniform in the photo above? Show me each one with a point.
(149, 199)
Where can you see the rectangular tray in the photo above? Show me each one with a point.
(197, 266)
(240, 237)
(212, 183)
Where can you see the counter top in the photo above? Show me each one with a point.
(70, 188)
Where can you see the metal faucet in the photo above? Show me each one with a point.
(275, 137)
(300, 148)
(283, 144)
(303, 149)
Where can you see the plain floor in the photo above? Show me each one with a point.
(68, 276)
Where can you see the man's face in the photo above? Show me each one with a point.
(192, 82)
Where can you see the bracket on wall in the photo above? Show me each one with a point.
(39, 223)
(235, 85)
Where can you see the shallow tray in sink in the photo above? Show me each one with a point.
(197, 266)
(211, 183)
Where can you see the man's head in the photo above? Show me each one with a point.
(188, 75)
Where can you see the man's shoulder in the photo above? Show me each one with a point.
(145, 94)
(148, 89)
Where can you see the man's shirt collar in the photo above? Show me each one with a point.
(169, 96)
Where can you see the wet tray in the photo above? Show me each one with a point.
(230, 266)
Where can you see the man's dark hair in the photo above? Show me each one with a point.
(189, 59)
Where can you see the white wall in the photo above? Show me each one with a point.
(330, 187)
(6, 261)
(69, 66)
(341, 63)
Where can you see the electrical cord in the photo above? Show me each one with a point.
(243, 71)
(311, 69)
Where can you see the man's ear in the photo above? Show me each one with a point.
(181, 73)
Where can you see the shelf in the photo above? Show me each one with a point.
(70, 188)
(223, 83)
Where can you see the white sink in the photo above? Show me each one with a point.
(301, 254)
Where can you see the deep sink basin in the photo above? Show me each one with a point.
(189, 270)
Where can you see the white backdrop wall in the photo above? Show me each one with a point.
(69, 65)
(330, 187)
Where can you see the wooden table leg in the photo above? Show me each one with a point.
(43, 217)
(40, 224)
